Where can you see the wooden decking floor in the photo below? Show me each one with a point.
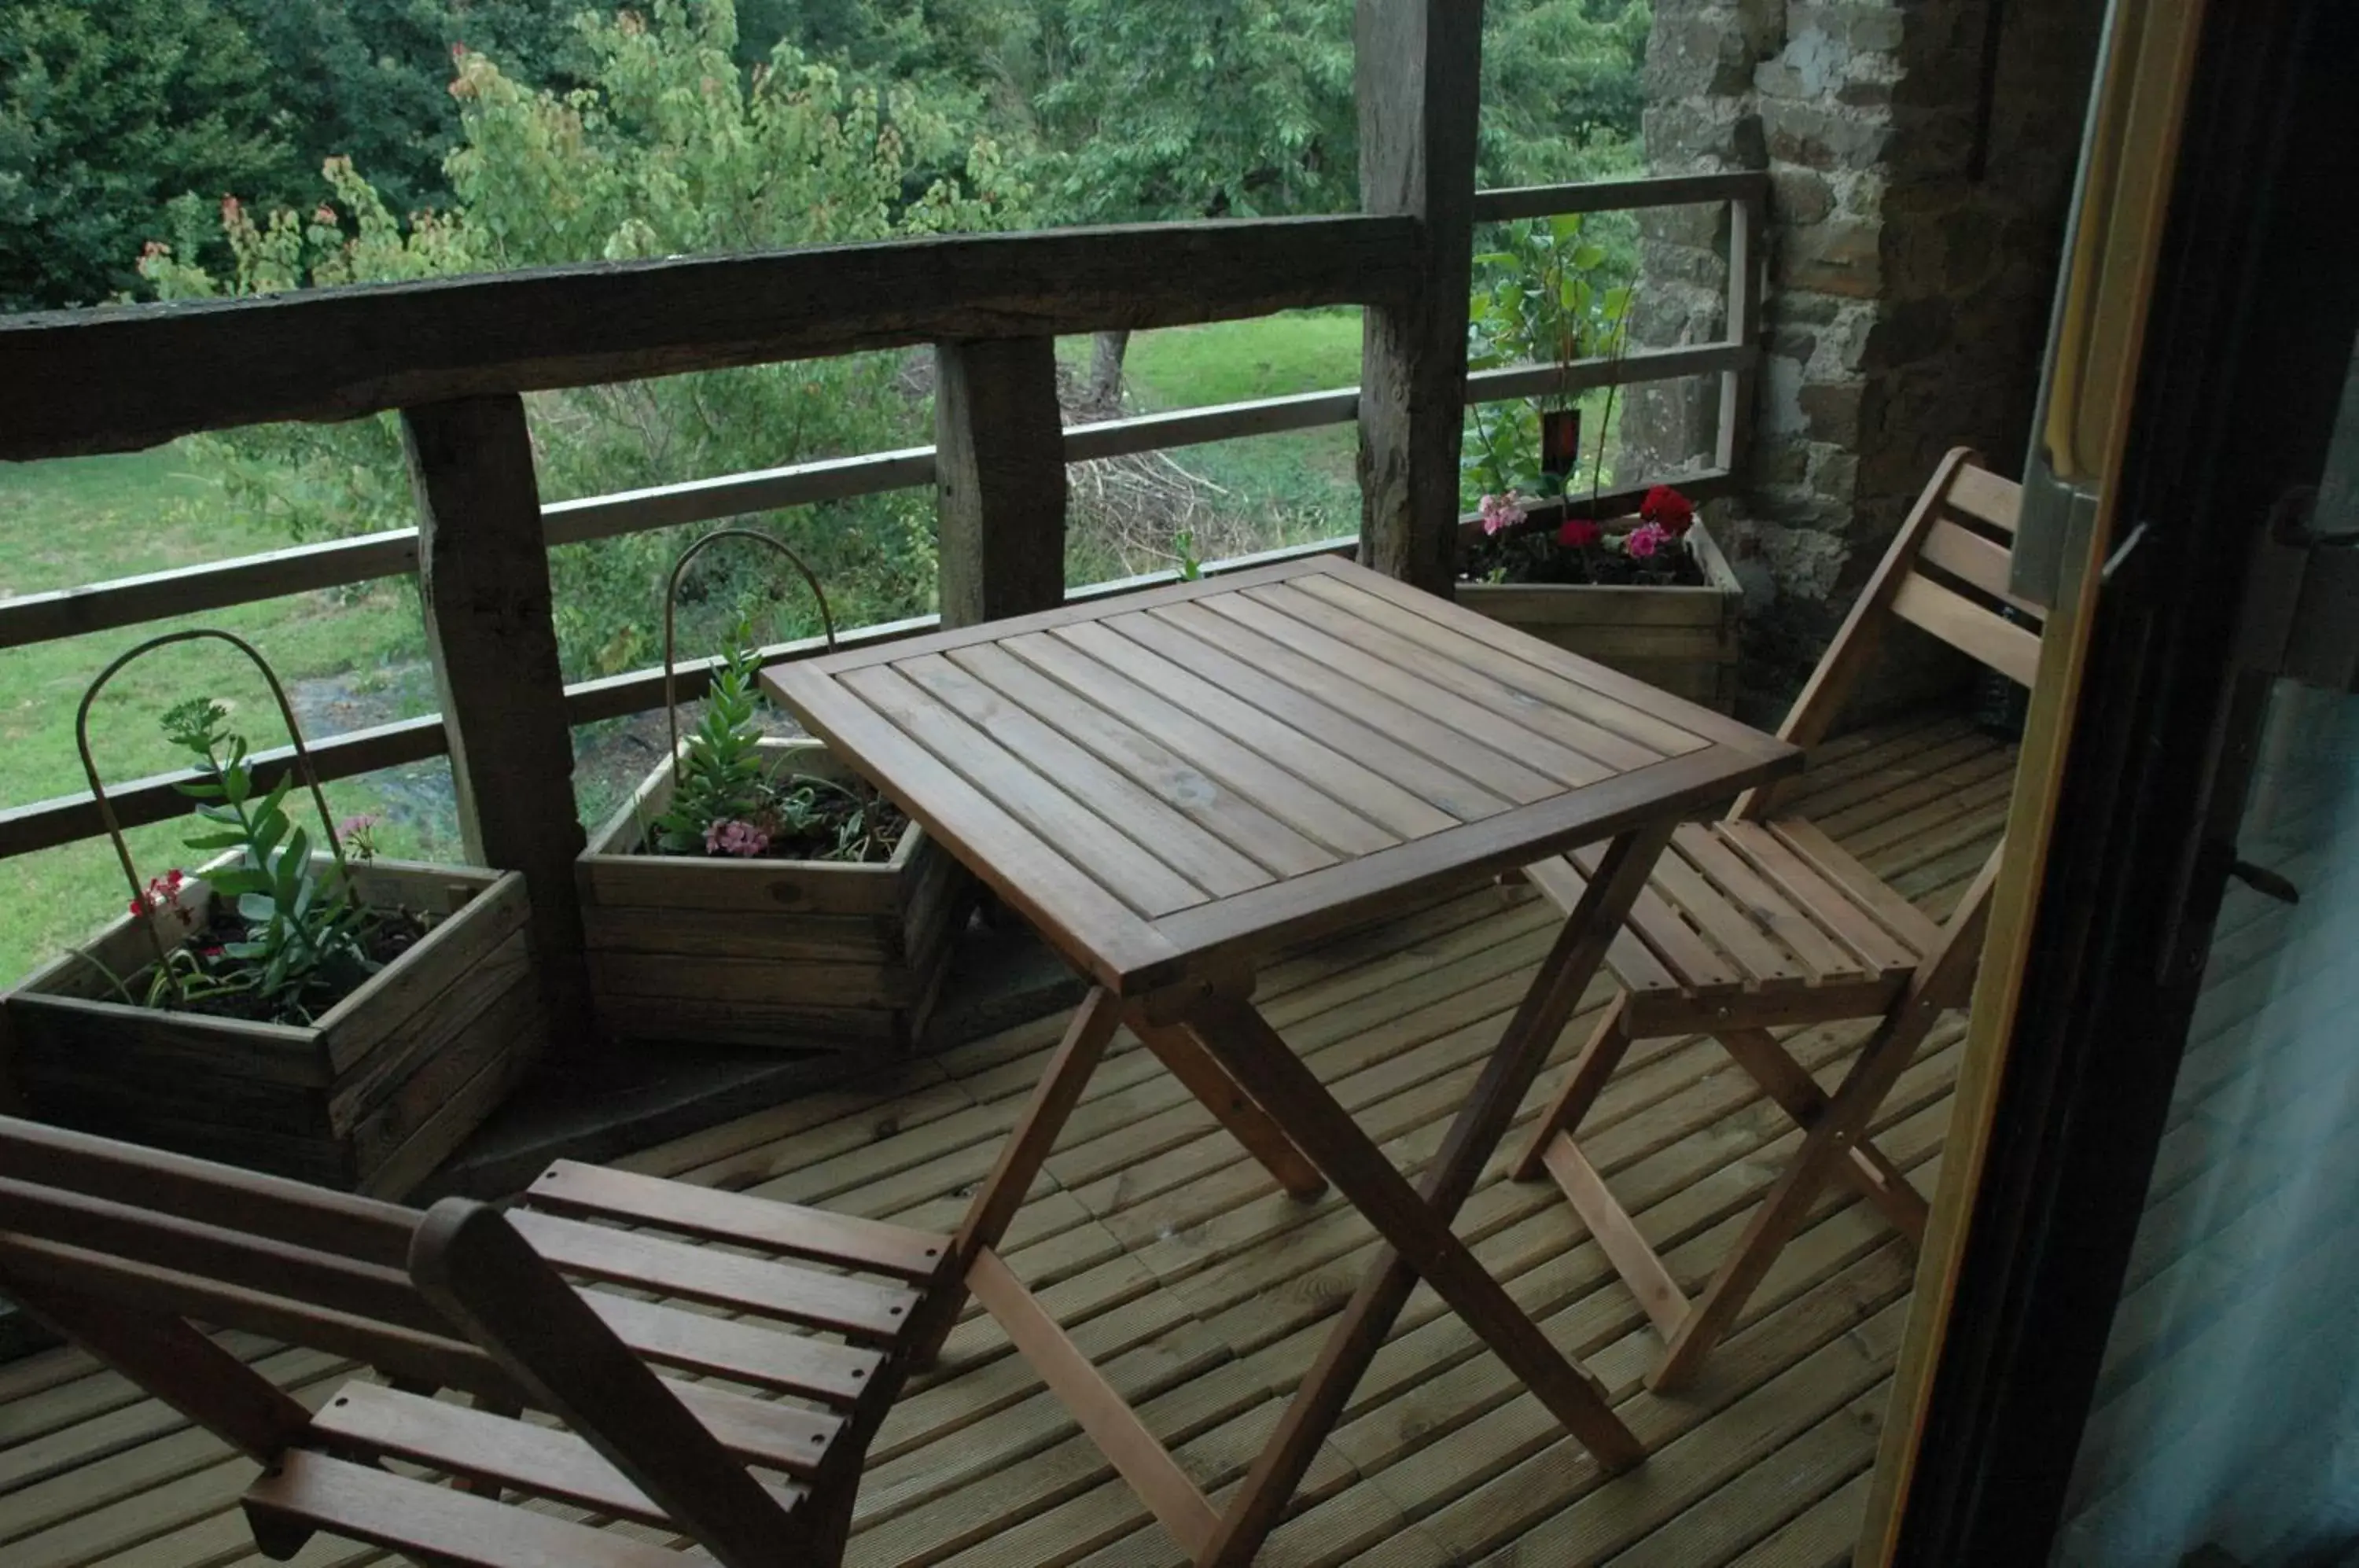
(1173, 1260)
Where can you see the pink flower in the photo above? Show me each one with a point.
(1645, 539)
(732, 837)
(360, 823)
(1579, 533)
(1501, 512)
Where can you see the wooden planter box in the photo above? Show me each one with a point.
(1681, 640)
(785, 952)
(370, 1098)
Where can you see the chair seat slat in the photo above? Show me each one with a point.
(854, 1307)
(374, 1422)
(1767, 907)
(589, 1191)
(1883, 953)
(742, 1351)
(1913, 926)
(1688, 956)
(439, 1524)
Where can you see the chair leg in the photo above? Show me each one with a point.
(1591, 1072)
(1786, 1080)
(1826, 1148)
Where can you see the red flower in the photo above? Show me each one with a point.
(1579, 533)
(1665, 507)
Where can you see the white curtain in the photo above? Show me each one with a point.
(2226, 1428)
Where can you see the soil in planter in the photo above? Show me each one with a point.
(811, 819)
(1533, 555)
(385, 934)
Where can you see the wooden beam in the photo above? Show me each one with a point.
(999, 464)
(482, 576)
(1640, 364)
(1618, 195)
(117, 380)
(1420, 64)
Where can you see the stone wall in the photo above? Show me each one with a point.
(1912, 253)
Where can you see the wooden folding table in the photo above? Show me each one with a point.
(1176, 784)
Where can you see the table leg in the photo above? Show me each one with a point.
(1416, 1222)
(1234, 1109)
(1020, 1158)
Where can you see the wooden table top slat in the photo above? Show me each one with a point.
(1198, 794)
(1115, 798)
(1613, 702)
(1337, 777)
(1602, 751)
(1407, 709)
(1399, 743)
(1082, 842)
(1412, 682)
(1178, 782)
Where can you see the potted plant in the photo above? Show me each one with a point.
(1649, 594)
(1541, 298)
(298, 1006)
(755, 891)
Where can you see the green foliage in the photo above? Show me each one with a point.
(1547, 294)
(724, 803)
(1562, 90)
(303, 946)
(106, 112)
(1199, 108)
(368, 80)
(719, 774)
(671, 150)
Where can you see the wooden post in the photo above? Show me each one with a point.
(483, 574)
(999, 461)
(1744, 326)
(1419, 68)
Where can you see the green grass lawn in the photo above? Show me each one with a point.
(1261, 490)
(91, 519)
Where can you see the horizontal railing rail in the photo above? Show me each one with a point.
(133, 376)
(1193, 280)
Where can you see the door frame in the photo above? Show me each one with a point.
(2255, 311)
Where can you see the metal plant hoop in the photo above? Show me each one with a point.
(304, 769)
(671, 606)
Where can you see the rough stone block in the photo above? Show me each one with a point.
(1817, 138)
(1799, 197)
(1830, 410)
(1840, 257)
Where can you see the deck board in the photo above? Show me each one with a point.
(1170, 1256)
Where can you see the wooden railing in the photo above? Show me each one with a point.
(452, 357)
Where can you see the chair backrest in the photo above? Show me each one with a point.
(1946, 572)
(125, 1249)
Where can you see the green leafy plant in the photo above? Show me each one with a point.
(719, 776)
(1547, 294)
(723, 801)
(298, 941)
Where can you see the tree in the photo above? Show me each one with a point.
(1562, 90)
(106, 112)
(369, 79)
(670, 150)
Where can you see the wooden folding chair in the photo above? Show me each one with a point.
(125, 1249)
(1750, 923)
